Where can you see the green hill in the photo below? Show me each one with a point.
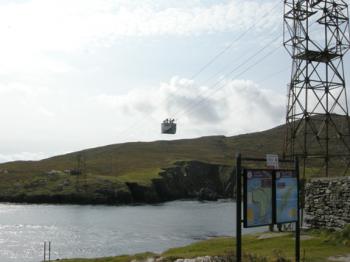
(137, 171)
(136, 157)
(109, 172)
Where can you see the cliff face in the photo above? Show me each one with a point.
(185, 180)
(195, 180)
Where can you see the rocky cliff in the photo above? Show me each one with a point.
(186, 180)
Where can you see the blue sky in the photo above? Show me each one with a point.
(76, 74)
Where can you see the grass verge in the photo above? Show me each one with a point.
(317, 246)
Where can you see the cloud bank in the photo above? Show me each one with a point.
(45, 106)
(45, 120)
(65, 25)
(239, 106)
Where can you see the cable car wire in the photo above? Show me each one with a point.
(211, 61)
(191, 105)
(223, 51)
(234, 70)
(262, 80)
(195, 105)
(205, 99)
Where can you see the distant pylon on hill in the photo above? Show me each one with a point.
(316, 35)
(80, 171)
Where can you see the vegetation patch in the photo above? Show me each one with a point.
(319, 247)
(141, 177)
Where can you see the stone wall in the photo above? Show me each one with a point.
(327, 202)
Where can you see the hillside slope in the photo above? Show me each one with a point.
(122, 159)
(137, 171)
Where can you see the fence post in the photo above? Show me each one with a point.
(238, 209)
(44, 251)
(49, 250)
(297, 224)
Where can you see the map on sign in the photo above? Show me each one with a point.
(286, 196)
(258, 198)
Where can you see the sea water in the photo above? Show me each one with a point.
(97, 231)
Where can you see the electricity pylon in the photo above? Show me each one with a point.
(316, 35)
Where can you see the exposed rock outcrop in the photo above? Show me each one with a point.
(194, 179)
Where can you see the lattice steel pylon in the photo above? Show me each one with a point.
(316, 35)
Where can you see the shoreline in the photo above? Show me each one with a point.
(97, 203)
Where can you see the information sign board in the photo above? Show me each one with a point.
(286, 184)
(270, 196)
(257, 198)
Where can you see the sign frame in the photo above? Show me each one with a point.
(238, 178)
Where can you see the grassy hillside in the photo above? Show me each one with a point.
(108, 168)
(142, 157)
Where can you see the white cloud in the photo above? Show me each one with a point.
(45, 107)
(37, 36)
(21, 156)
(240, 106)
(66, 25)
(38, 119)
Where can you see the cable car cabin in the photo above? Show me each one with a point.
(169, 126)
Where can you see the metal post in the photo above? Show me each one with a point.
(297, 224)
(49, 250)
(238, 209)
(44, 251)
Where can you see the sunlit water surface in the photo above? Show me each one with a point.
(95, 231)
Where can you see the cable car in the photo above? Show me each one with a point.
(168, 126)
